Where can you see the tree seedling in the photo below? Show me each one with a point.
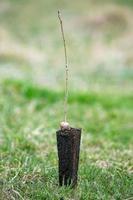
(68, 138)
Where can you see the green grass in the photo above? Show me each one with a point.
(29, 118)
(99, 42)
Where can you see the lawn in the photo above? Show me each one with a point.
(99, 39)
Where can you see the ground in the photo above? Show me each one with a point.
(99, 40)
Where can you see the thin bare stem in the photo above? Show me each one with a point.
(66, 68)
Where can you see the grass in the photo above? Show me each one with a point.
(29, 120)
(99, 40)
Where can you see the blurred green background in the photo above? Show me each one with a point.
(99, 36)
(99, 41)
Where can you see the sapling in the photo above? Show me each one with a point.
(68, 138)
(64, 124)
